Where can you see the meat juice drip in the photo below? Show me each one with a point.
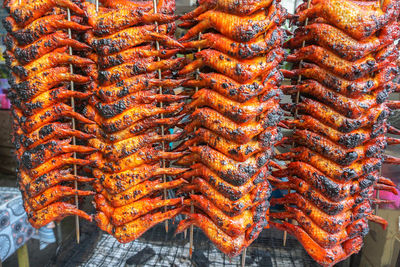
(339, 134)
(134, 54)
(38, 58)
(230, 124)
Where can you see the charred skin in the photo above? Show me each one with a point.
(131, 131)
(233, 226)
(145, 156)
(241, 29)
(41, 47)
(349, 140)
(238, 112)
(375, 116)
(337, 153)
(131, 37)
(132, 54)
(129, 117)
(243, 7)
(348, 88)
(54, 212)
(107, 23)
(331, 169)
(137, 192)
(226, 167)
(125, 214)
(52, 195)
(227, 187)
(44, 152)
(340, 43)
(238, 132)
(136, 228)
(324, 256)
(235, 90)
(350, 107)
(35, 187)
(338, 66)
(163, 6)
(41, 27)
(47, 115)
(116, 183)
(240, 50)
(128, 70)
(54, 130)
(236, 151)
(29, 10)
(242, 71)
(57, 58)
(120, 150)
(260, 193)
(231, 246)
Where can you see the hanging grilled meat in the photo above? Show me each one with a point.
(230, 125)
(344, 56)
(128, 108)
(37, 44)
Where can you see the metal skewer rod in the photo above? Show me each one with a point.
(163, 163)
(72, 85)
(296, 112)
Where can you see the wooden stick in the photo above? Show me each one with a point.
(243, 264)
(165, 193)
(296, 112)
(23, 256)
(73, 138)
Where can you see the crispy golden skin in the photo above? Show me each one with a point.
(236, 91)
(128, 213)
(29, 10)
(237, 132)
(54, 212)
(349, 140)
(241, 29)
(238, 112)
(350, 107)
(163, 6)
(257, 47)
(41, 27)
(131, 37)
(37, 186)
(245, 7)
(374, 117)
(324, 256)
(364, 21)
(348, 88)
(236, 151)
(330, 168)
(114, 20)
(339, 42)
(242, 71)
(116, 183)
(136, 228)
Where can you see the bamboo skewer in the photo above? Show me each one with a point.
(296, 112)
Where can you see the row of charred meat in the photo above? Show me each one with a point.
(95, 93)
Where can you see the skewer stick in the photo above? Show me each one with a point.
(296, 112)
(73, 138)
(191, 206)
(243, 263)
(165, 193)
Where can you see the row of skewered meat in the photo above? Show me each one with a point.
(231, 127)
(133, 103)
(124, 72)
(345, 56)
(39, 59)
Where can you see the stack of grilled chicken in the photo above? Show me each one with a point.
(345, 56)
(39, 59)
(133, 98)
(231, 122)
